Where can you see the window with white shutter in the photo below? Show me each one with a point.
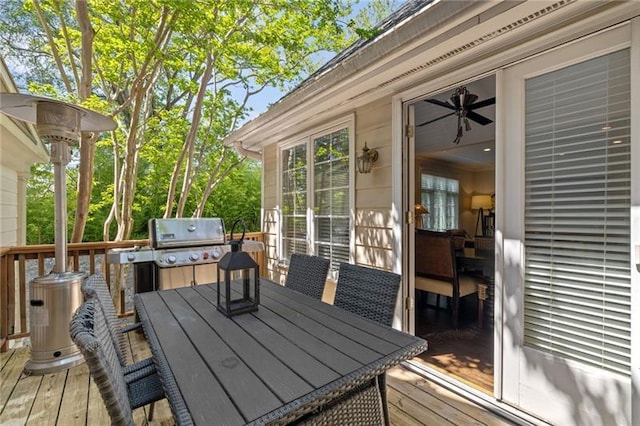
(331, 196)
(577, 210)
(315, 197)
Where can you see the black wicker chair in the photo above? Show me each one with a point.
(307, 274)
(95, 287)
(359, 406)
(90, 333)
(370, 293)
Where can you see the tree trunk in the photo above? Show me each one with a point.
(87, 143)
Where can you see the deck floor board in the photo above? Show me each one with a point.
(47, 400)
(71, 398)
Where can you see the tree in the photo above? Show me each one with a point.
(177, 76)
(173, 73)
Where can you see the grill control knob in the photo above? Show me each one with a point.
(131, 257)
(215, 253)
(171, 259)
(205, 255)
(194, 256)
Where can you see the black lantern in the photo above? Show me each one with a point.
(238, 279)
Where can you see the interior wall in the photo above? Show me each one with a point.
(471, 183)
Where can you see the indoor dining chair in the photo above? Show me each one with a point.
(90, 333)
(372, 294)
(436, 270)
(307, 274)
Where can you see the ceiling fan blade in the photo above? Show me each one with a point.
(478, 118)
(440, 103)
(435, 119)
(486, 102)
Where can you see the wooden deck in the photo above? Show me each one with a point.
(71, 398)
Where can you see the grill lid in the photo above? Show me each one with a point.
(186, 232)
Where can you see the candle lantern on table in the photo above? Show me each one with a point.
(238, 279)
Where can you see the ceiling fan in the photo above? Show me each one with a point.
(462, 104)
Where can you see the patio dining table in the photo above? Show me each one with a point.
(293, 356)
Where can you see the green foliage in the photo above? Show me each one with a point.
(178, 77)
(237, 196)
(40, 209)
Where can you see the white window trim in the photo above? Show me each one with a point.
(308, 137)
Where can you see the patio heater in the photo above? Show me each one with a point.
(56, 296)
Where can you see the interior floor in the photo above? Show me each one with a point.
(465, 354)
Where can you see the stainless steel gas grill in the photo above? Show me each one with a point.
(181, 252)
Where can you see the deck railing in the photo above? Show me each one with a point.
(19, 265)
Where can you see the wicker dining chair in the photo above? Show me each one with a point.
(307, 274)
(95, 287)
(370, 293)
(359, 406)
(90, 333)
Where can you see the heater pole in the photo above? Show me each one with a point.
(60, 158)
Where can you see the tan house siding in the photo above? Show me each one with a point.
(373, 220)
(270, 220)
(372, 214)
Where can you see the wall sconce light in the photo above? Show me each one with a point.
(366, 160)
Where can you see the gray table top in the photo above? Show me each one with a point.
(263, 366)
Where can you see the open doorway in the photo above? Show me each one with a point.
(454, 246)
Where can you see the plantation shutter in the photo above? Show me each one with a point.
(577, 208)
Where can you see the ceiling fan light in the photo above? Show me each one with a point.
(467, 124)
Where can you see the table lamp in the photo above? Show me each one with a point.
(420, 212)
(480, 203)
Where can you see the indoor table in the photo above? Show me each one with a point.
(294, 355)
